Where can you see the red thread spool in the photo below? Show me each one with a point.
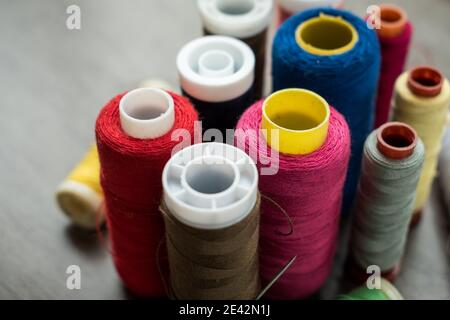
(134, 144)
(396, 141)
(395, 36)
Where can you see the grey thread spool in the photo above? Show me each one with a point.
(392, 164)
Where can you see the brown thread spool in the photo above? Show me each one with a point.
(424, 82)
(211, 211)
(393, 21)
(228, 273)
(396, 141)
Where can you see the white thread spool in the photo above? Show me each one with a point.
(236, 18)
(232, 80)
(210, 186)
(147, 113)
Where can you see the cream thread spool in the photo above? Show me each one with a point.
(80, 195)
(422, 100)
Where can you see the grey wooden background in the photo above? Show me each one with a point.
(53, 82)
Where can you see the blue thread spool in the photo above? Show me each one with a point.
(333, 53)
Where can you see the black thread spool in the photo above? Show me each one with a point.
(217, 75)
(247, 20)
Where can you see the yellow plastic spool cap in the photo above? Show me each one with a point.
(326, 35)
(298, 117)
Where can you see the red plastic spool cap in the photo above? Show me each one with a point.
(425, 81)
(393, 21)
(396, 140)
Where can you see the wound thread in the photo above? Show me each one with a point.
(347, 81)
(422, 102)
(299, 187)
(395, 38)
(131, 170)
(385, 197)
(214, 264)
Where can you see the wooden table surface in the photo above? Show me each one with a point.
(53, 81)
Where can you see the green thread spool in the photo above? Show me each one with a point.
(387, 292)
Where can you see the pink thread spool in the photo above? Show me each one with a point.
(395, 35)
(308, 186)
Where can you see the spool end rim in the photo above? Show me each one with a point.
(154, 99)
(433, 77)
(395, 27)
(295, 136)
(398, 130)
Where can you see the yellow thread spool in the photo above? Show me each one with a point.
(300, 118)
(427, 115)
(326, 35)
(80, 196)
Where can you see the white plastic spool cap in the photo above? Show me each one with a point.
(198, 82)
(215, 64)
(236, 18)
(210, 185)
(147, 113)
(294, 6)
